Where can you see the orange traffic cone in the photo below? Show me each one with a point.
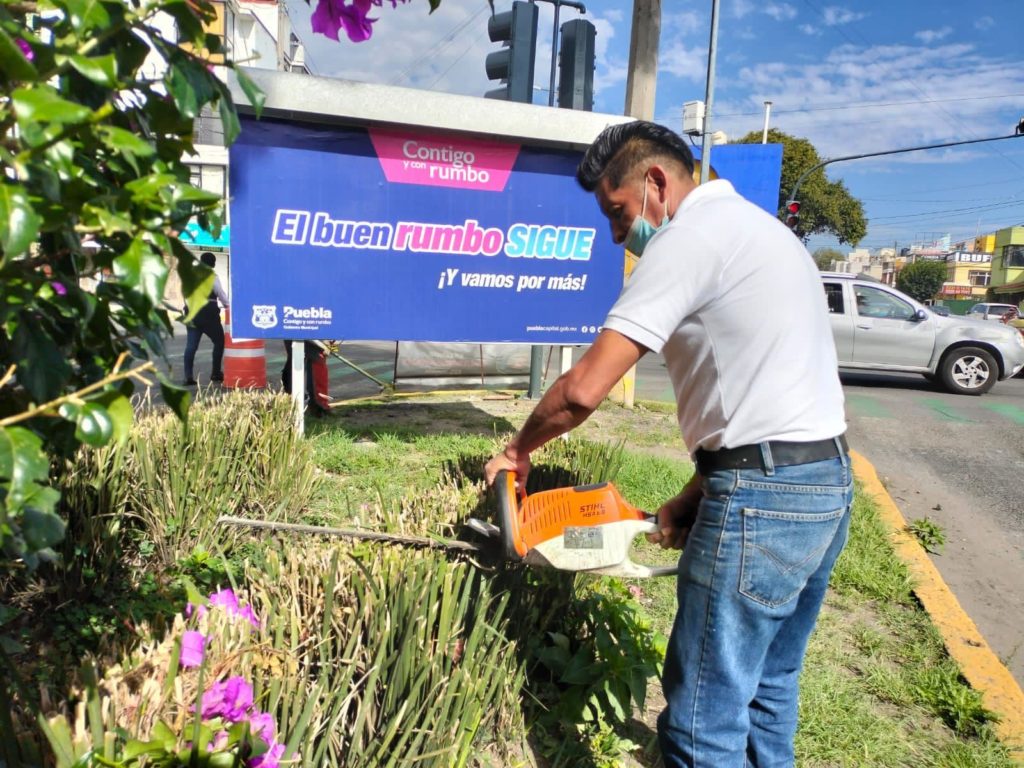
(245, 360)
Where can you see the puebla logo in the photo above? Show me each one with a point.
(264, 315)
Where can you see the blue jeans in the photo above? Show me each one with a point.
(751, 581)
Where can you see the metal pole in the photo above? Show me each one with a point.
(554, 57)
(767, 113)
(823, 163)
(536, 350)
(299, 384)
(709, 95)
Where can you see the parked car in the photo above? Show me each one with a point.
(991, 311)
(940, 310)
(878, 328)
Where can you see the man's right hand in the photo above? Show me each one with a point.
(677, 516)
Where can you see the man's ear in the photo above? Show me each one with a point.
(660, 178)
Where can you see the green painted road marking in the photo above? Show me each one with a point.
(1014, 412)
(945, 411)
(865, 405)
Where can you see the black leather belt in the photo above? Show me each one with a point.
(784, 454)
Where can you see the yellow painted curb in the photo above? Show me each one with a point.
(978, 663)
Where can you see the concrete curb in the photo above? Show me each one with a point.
(979, 664)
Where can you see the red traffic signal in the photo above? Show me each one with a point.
(792, 213)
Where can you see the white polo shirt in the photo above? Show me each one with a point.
(735, 303)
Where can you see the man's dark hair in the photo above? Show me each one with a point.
(208, 259)
(621, 148)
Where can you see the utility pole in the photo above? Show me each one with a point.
(640, 83)
(643, 59)
(709, 97)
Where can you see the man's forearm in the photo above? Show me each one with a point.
(554, 415)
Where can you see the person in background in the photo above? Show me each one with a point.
(760, 407)
(207, 322)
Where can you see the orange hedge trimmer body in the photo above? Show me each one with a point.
(586, 528)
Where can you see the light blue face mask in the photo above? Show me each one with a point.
(641, 230)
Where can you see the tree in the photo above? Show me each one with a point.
(922, 279)
(826, 207)
(824, 257)
(92, 151)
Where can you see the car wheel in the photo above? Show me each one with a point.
(969, 371)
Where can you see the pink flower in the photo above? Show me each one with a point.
(262, 726)
(26, 49)
(220, 740)
(270, 758)
(332, 15)
(228, 600)
(59, 288)
(231, 699)
(193, 647)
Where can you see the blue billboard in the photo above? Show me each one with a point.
(395, 233)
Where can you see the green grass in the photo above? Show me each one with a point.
(878, 688)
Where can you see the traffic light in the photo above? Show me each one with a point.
(792, 214)
(576, 65)
(513, 64)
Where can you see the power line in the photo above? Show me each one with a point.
(945, 212)
(856, 105)
(438, 47)
(910, 82)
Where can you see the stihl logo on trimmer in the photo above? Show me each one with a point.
(591, 510)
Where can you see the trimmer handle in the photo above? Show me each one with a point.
(508, 515)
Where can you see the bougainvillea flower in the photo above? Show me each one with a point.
(262, 726)
(230, 699)
(26, 49)
(269, 759)
(59, 288)
(193, 646)
(331, 15)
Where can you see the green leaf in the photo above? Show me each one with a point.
(580, 670)
(119, 408)
(120, 140)
(13, 60)
(140, 269)
(41, 528)
(150, 186)
(22, 461)
(163, 732)
(134, 748)
(70, 411)
(178, 399)
(435, 4)
(102, 70)
(95, 426)
(87, 14)
(42, 367)
(229, 118)
(190, 85)
(110, 221)
(42, 104)
(19, 223)
(257, 98)
(196, 284)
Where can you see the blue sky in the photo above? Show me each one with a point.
(853, 77)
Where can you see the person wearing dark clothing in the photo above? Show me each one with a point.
(313, 353)
(207, 323)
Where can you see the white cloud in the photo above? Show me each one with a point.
(810, 29)
(741, 8)
(984, 23)
(779, 11)
(835, 16)
(929, 36)
(683, 62)
(684, 23)
(864, 99)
